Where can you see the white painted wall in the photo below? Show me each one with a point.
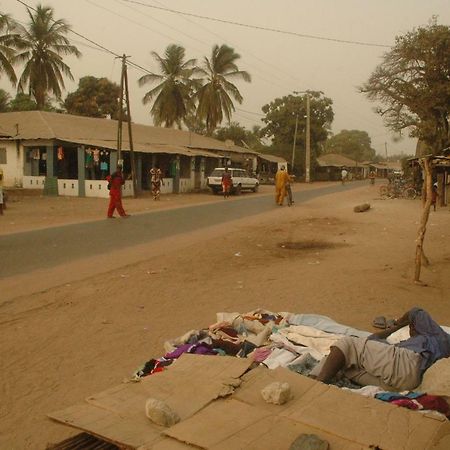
(186, 185)
(12, 170)
(29, 182)
(68, 187)
(167, 186)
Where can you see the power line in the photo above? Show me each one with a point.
(256, 27)
(247, 52)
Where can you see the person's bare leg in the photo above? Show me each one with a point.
(334, 363)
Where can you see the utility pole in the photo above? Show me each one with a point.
(124, 87)
(308, 142)
(295, 140)
(385, 150)
(119, 123)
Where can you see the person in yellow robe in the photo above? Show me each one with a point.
(281, 180)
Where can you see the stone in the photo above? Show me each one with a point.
(276, 393)
(309, 442)
(361, 208)
(160, 413)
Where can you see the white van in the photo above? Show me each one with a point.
(240, 178)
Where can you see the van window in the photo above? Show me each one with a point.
(217, 173)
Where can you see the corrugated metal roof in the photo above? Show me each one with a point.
(335, 160)
(103, 133)
(272, 158)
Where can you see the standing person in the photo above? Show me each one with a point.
(227, 182)
(115, 183)
(281, 180)
(156, 179)
(344, 175)
(372, 177)
(434, 195)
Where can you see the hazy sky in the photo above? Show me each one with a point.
(279, 63)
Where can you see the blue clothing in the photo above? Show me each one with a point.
(431, 341)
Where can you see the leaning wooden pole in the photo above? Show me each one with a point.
(426, 164)
(119, 122)
(130, 136)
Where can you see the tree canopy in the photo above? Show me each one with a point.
(217, 91)
(239, 135)
(173, 95)
(353, 144)
(44, 43)
(413, 85)
(9, 42)
(280, 118)
(95, 97)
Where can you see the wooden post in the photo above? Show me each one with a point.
(119, 123)
(428, 182)
(130, 136)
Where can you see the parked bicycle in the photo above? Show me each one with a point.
(398, 189)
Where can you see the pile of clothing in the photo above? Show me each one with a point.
(294, 341)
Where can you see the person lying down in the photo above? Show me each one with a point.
(373, 361)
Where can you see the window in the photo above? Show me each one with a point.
(2, 155)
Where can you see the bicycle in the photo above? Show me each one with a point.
(289, 199)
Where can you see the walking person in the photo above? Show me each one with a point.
(227, 182)
(115, 182)
(344, 175)
(281, 180)
(156, 180)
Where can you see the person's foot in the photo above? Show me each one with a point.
(110, 217)
(126, 216)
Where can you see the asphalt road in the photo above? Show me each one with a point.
(27, 251)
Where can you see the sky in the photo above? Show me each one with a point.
(279, 62)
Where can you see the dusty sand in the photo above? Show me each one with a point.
(66, 342)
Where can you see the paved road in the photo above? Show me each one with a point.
(24, 252)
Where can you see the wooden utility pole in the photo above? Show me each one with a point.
(119, 123)
(124, 90)
(308, 141)
(295, 140)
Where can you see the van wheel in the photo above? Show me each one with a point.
(255, 189)
(238, 190)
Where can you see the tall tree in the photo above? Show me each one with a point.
(280, 117)
(354, 144)
(9, 42)
(45, 44)
(172, 96)
(95, 97)
(5, 98)
(239, 135)
(413, 85)
(22, 102)
(215, 96)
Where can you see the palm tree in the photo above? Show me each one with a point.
(172, 96)
(214, 97)
(9, 41)
(45, 43)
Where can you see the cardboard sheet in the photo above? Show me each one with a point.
(117, 414)
(194, 387)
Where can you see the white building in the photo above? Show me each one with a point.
(71, 155)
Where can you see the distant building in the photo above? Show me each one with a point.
(329, 167)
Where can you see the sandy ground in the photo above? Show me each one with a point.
(66, 342)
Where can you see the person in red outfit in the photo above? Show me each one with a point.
(116, 180)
